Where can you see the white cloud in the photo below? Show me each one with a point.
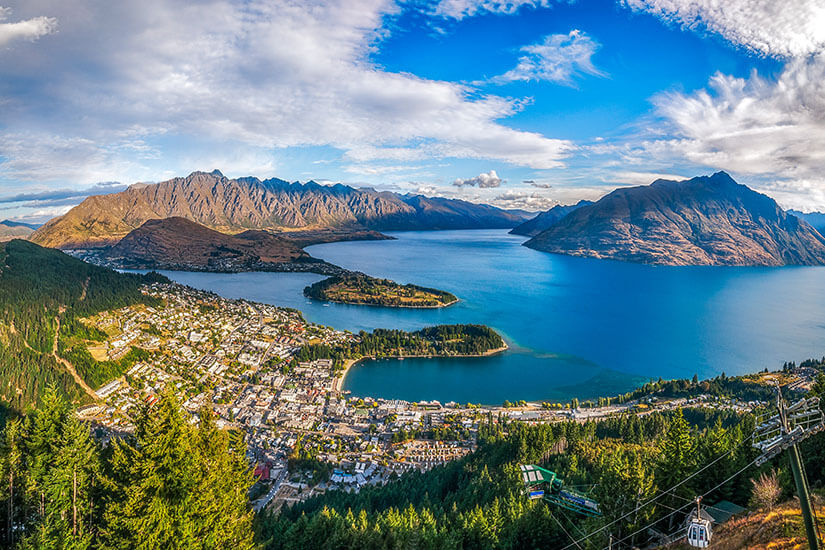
(459, 9)
(559, 58)
(781, 28)
(482, 181)
(754, 125)
(29, 29)
(49, 157)
(523, 200)
(261, 75)
(426, 189)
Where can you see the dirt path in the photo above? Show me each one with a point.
(85, 288)
(69, 367)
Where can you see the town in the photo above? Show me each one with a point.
(304, 435)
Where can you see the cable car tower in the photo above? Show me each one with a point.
(544, 484)
(782, 431)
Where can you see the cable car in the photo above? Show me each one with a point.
(544, 484)
(699, 530)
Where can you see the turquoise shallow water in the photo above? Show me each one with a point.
(575, 326)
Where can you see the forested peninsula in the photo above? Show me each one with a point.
(358, 288)
(437, 341)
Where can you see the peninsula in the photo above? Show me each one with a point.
(359, 289)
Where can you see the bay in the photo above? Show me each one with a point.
(575, 326)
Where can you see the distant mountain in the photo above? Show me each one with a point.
(14, 230)
(816, 219)
(12, 223)
(235, 205)
(544, 220)
(177, 243)
(707, 220)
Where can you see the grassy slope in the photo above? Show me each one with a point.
(778, 529)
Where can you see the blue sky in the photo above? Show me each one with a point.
(521, 104)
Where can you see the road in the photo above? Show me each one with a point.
(261, 503)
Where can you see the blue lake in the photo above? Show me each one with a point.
(576, 327)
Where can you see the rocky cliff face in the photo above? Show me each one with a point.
(235, 205)
(544, 220)
(708, 220)
(177, 243)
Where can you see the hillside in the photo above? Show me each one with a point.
(42, 293)
(707, 220)
(816, 219)
(14, 230)
(236, 205)
(778, 529)
(478, 501)
(177, 243)
(544, 220)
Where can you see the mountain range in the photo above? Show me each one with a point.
(14, 230)
(707, 220)
(236, 205)
(544, 220)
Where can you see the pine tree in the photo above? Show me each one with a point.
(678, 458)
(74, 480)
(178, 486)
(44, 430)
(222, 503)
(12, 470)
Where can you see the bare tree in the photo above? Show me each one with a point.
(766, 490)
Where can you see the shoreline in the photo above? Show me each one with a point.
(442, 306)
(349, 363)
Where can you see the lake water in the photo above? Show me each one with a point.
(576, 327)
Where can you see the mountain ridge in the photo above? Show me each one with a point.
(707, 220)
(235, 205)
(544, 220)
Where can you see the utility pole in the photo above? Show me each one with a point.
(799, 476)
(782, 432)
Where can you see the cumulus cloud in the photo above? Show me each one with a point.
(558, 58)
(257, 75)
(482, 181)
(771, 27)
(426, 189)
(754, 125)
(540, 185)
(29, 29)
(523, 200)
(459, 9)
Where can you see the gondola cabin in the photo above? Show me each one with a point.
(699, 533)
(699, 528)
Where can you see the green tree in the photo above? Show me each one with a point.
(678, 457)
(12, 469)
(177, 485)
